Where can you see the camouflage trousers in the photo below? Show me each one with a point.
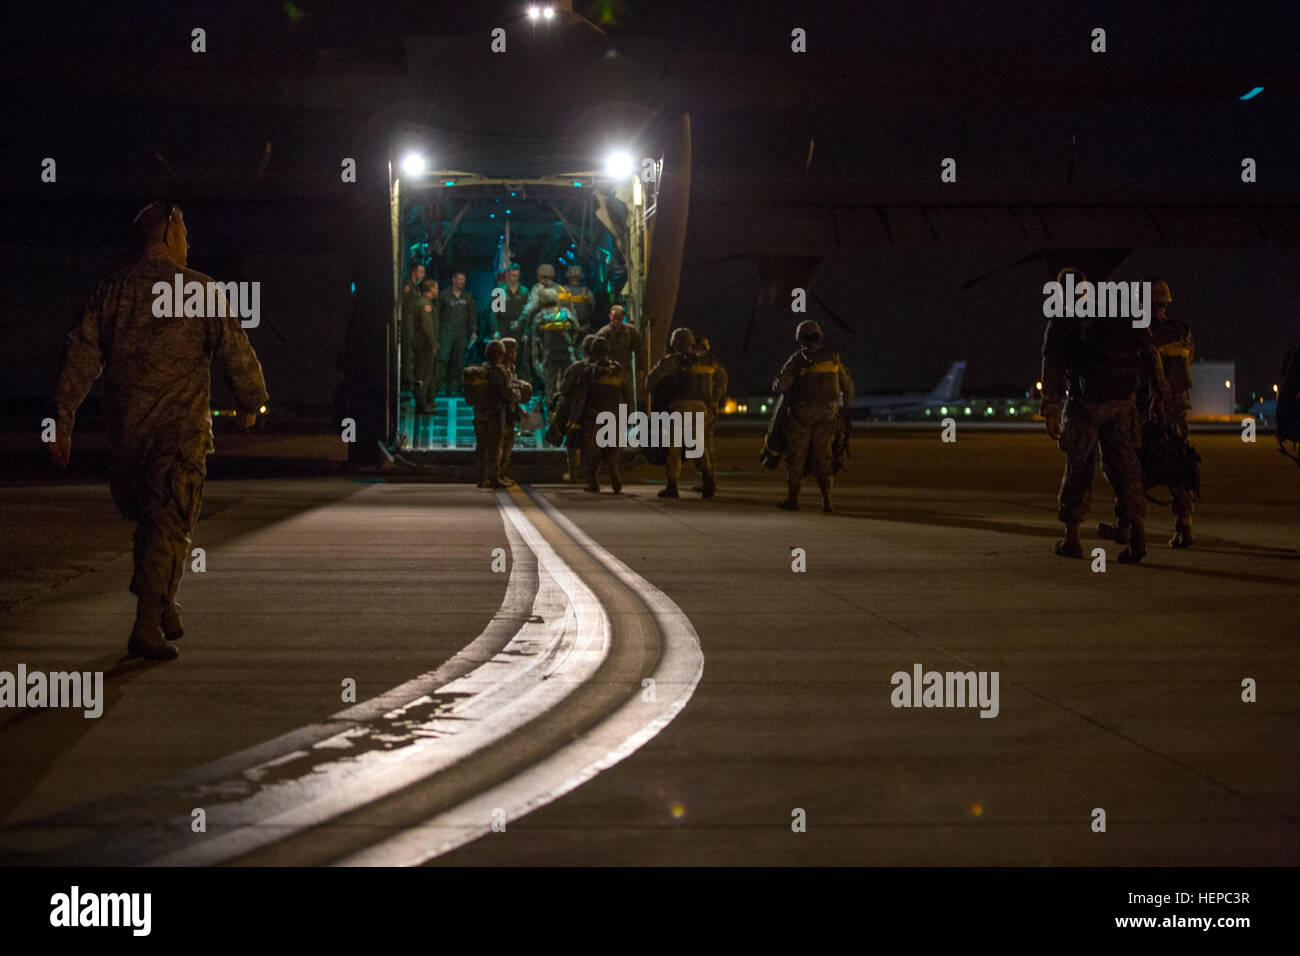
(507, 445)
(1114, 428)
(489, 426)
(810, 443)
(554, 376)
(162, 492)
(703, 464)
(593, 455)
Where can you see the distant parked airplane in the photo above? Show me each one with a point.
(913, 403)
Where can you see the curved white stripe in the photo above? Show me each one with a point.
(680, 667)
(557, 649)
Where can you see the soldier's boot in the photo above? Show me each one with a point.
(572, 477)
(791, 501)
(1071, 546)
(1137, 544)
(825, 485)
(1182, 533)
(593, 480)
(670, 490)
(1113, 532)
(709, 485)
(615, 482)
(172, 627)
(147, 638)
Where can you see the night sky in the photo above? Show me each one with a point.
(63, 64)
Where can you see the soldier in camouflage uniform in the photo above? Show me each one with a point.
(562, 413)
(513, 297)
(545, 280)
(1173, 340)
(577, 298)
(816, 385)
(553, 335)
(1091, 370)
(705, 356)
(426, 346)
(624, 343)
(409, 302)
(689, 386)
(599, 389)
(521, 392)
(157, 410)
(490, 417)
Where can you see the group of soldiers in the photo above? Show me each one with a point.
(1103, 380)
(440, 331)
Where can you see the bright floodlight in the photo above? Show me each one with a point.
(534, 13)
(413, 164)
(549, 12)
(619, 165)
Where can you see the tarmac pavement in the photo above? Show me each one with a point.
(1119, 690)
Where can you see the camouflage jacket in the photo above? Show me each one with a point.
(156, 370)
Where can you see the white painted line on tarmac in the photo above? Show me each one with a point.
(678, 672)
(559, 646)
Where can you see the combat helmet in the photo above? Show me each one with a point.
(574, 272)
(1160, 292)
(546, 269)
(808, 331)
(682, 340)
(548, 297)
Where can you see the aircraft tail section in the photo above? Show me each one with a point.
(950, 386)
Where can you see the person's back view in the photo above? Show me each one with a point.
(157, 407)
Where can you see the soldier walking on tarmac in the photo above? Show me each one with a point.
(1091, 369)
(599, 389)
(1173, 340)
(689, 388)
(816, 385)
(156, 399)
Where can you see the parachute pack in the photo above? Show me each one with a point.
(476, 385)
(1288, 406)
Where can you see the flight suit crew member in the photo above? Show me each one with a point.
(815, 384)
(457, 316)
(490, 417)
(600, 389)
(705, 356)
(1174, 342)
(690, 386)
(515, 298)
(521, 392)
(426, 346)
(562, 414)
(545, 280)
(408, 307)
(157, 410)
(577, 298)
(553, 336)
(624, 343)
(1091, 370)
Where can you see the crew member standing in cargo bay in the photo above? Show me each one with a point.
(157, 410)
